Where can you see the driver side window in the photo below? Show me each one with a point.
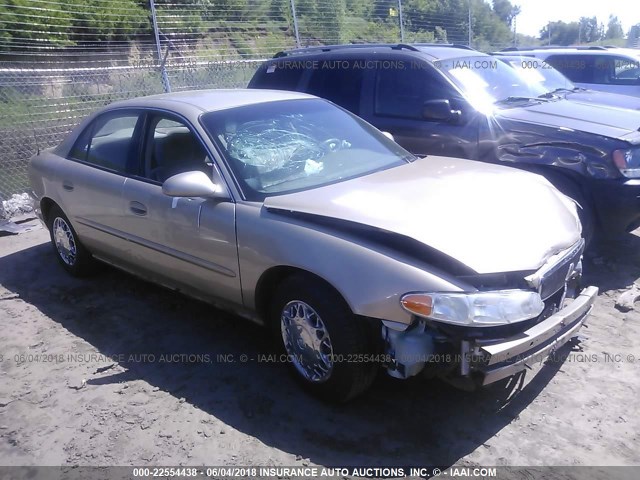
(173, 148)
(402, 92)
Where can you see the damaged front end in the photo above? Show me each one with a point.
(476, 338)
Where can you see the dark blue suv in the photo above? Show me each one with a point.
(452, 100)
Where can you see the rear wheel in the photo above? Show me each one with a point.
(328, 347)
(70, 252)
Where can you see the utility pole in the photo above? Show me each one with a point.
(469, 22)
(549, 32)
(515, 35)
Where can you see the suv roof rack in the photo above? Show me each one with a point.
(330, 48)
(394, 46)
(450, 45)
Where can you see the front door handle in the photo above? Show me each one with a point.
(138, 208)
(67, 185)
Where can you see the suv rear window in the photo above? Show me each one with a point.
(283, 75)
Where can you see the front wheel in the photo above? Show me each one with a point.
(328, 347)
(70, 252)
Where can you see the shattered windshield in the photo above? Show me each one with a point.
(488, 80)
(286, 146)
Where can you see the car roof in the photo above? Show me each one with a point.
(445, 53)
(577, 50)
(210, 100)
(515, 57)
(435, 51)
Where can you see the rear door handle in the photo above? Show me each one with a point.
(67, 185)
(138, 208)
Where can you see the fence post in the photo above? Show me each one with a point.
(163, 69)
(295, 24)
(470, 33)
(401, 21)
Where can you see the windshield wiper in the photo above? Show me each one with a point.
(518, 99)
(561, 89)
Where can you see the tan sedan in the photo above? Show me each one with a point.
(296, 214)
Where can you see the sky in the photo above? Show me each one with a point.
(537, 13)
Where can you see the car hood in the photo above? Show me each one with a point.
(490, 218)
(603, 120)
(604, 98)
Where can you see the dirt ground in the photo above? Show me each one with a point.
(112, 370)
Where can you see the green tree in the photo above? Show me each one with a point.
(359, 8)
(487, 27)
(560, 33)
(381, 8)
(114, 20)
(614, 28)
(589, 30)
(506, 11)
(23, 22)
(71, 21)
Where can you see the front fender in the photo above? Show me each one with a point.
(582, 153)
(369, 277)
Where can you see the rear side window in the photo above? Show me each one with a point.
(402, 92)
(108, 142)
(283, 75)
(338, 82)
(623, 70)
(598, 69)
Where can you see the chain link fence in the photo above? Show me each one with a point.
(40, 106)
(62, 59)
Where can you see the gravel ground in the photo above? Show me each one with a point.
(114, 371)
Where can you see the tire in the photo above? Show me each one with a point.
(72, 255)
(585, 212)
(588, 220)
(339, 334)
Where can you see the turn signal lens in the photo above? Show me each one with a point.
(418, 304)
(628, 162)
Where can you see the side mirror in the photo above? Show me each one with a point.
(193, 184)
(389, 136)
(439, 110)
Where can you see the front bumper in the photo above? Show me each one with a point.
(512, 355)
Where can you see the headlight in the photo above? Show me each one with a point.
(479, 309)
(628, 162)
